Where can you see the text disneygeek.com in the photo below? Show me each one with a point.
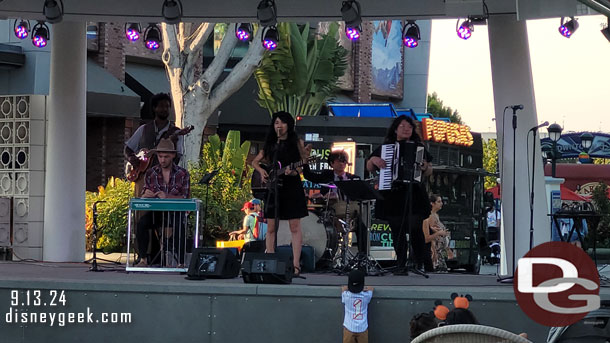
(23, 316)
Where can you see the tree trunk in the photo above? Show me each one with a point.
(194, 96)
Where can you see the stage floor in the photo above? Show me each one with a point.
(65, 272)
(113, 273)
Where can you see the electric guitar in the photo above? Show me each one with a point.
(257, 179)
(144, 156)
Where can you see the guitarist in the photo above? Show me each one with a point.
(283, 144)
(147, 136)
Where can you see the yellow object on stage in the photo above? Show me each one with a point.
(231, 244)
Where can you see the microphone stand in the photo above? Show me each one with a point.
(534, 130)
(93, 260)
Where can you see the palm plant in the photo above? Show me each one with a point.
(302, 73)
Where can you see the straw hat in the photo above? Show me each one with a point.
(165, 145)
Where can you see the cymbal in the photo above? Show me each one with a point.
(328, 185)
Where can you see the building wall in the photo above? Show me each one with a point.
(105, 141)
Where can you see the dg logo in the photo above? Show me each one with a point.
(556, 284)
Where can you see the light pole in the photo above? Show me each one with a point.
(554, 134)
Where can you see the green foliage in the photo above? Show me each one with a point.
(602, 207)
(112, 215)
(303, 72)
(438, 109)
(490, 161)
(229, 189)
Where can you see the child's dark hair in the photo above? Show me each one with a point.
(157, 98)
(434, 197)
(421, 323)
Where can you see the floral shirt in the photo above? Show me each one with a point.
(179, 181)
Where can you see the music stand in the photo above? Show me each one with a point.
(358, 190)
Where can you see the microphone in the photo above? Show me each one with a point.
(546, 123)
(516, 107)
(277, 133)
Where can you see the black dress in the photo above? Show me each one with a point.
(291, 196)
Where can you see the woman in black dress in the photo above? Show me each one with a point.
(394, 207)
(282, 141)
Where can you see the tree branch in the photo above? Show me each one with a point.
(198, 38)
(210, 76)
(240, 73)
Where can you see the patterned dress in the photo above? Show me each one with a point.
(441, 244)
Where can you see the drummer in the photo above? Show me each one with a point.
(338, 161)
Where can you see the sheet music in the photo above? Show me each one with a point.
(389, 153)
(419, 159)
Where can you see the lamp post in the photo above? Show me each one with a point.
(554, 134)
(586, 139)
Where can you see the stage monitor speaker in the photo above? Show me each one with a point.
(266, 268)
(212, 263)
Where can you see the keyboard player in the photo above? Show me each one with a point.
(394, 207)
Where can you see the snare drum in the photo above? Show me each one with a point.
(317, 232)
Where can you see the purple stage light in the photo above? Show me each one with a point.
(132, 34)
(464, 32)
(21, 32)
(565, 31)
(269, 44)
(39, 41)
(410, 42)
(243, 35)
(152, 45)
(40, 35)
(568, 28)
(352, 33)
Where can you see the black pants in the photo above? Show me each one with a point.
(422, 257)
(173, 241)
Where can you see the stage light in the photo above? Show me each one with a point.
(350, 11)
(266, 12)
(152, 37)
(270, 38)
(53, 11)
(132, 31)
(40, 35)
(568, 28)
(353, 33)
(410, 34)
(22, 30)
(606, 30)
(243, 32)
(465, 29)
(172, 11)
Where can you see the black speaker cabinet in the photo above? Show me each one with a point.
(266, 268)
(213, 263)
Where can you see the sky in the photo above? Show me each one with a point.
(571, 76)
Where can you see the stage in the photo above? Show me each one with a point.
(156, 307)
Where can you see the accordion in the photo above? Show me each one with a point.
(403, 161)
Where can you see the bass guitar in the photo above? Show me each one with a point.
(144, 156)
(257, 179)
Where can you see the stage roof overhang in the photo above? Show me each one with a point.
(295, 10)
